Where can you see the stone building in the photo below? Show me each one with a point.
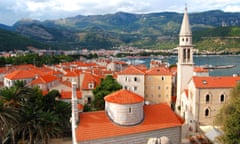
(127, 120)
(158, 85)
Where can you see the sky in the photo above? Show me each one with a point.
(14, 10)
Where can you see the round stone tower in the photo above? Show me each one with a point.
(124, 107)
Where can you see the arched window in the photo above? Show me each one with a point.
(188, 54)
(184, 54)
(222, 98)
(207, 98)
(206, 112)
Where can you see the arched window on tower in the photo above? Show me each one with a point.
(206, 113)
(184, 55)
(207, 98)
(222, 98)
(188, 54)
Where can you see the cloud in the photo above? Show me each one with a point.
(13, 10)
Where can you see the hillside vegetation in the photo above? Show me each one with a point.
(212, 30)
(12, 41)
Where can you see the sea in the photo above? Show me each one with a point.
(199, 60)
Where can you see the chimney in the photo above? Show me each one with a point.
(75, 116)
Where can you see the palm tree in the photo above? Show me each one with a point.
(8, 117)
(47, 126)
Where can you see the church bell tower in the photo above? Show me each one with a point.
(185, 57)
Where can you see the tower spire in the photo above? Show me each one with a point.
(185, 27)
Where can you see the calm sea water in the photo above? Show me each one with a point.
(204, 60)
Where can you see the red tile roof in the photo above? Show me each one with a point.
(200, 69)
(45, 79)
(96, 125)
(123, 97)
(88, 79)
(20, 74)
(71, 74)
(216, 82)
(186, 92)
(68, 94)
(132, 70)
(158, 71)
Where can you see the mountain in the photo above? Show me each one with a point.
(154, 30)
(10, 41)
(5, 27)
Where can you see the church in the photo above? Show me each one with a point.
(199, 96)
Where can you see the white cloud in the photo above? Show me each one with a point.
(54, 9)
(231, 8)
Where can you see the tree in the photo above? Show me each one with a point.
(107, 86)
(29, 116)
(229, 118)
(8, 117)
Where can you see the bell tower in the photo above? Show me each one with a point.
(185, 57)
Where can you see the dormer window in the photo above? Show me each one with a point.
(91, 85)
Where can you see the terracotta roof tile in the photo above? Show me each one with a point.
(71, 74)
(186, 92)
(45, 79)
(200, 69)
(90, 79)
(20, 74)
(68, 94)
(158, 71)
(96, 125)
(132, 70)
(216, 82)
(123, 97)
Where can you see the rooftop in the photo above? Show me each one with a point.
(216, 82)
(123, 97)
(96, 125)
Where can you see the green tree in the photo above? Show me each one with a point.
(229, 118)
(107, 86)
(8, 118)
(29, 116)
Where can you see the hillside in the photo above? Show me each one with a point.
(153, 31)
(10, 41)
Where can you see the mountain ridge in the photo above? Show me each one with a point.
(152, 30)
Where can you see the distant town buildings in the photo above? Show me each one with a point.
(145, 106)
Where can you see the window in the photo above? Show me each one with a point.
(125, 87)
(90, 85)
(207, 98)
(89, 100)
(135, 79)
(222, 98)
(163, 78)
(159, 95)
(183, 39)
(159, 87)
(206, 112)
(188, 54)
(135, 88)
(129, 110)
(184, 54)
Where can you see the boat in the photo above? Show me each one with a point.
(217, 66)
